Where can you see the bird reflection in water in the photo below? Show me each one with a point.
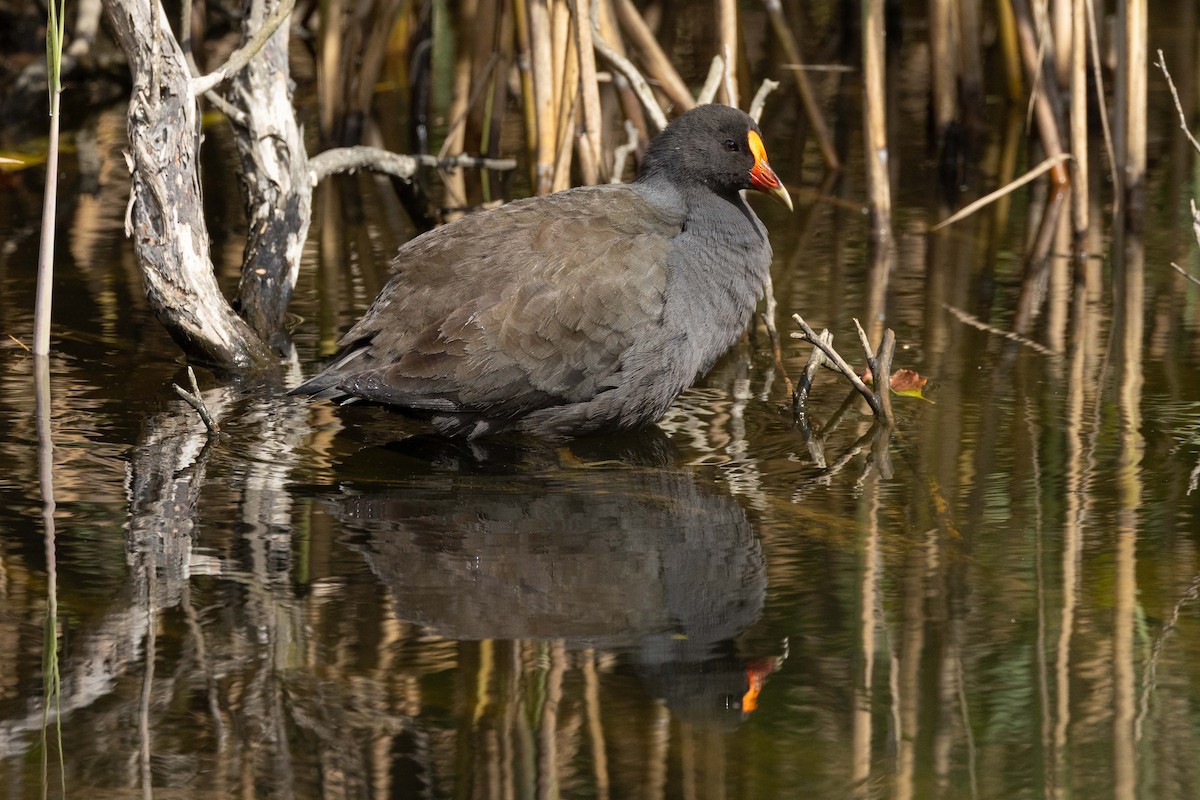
(623, 552)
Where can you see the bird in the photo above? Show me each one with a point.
(583, 312)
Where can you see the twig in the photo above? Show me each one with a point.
(773, 331)
(811, 337)
(880, 363)
(241, 57)
(1186, 274)
(193, 399)
(349, 159)
(883, 383)
(966, 211)
(626, 68)
(1183, 123)
(712, 83)
(975, 322)
(760, 98)
(816, 360)
(622, 151)
(1098, 79)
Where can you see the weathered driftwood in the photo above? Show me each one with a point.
(166, 215)
(275, 179)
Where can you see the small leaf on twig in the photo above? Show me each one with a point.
(904, 382)
(909, 383)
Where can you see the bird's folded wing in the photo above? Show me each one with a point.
(528, 306)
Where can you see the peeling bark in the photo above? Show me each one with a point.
(166, 218)
(275, 178)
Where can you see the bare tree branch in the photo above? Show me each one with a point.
(349, 159)
(241, 57)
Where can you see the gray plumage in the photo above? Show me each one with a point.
(581, 312)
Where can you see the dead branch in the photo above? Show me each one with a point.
(621, 153)
(760, 98)
(241, 57)
(350, 159)
(880, 408)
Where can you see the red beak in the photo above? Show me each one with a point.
(762, 177)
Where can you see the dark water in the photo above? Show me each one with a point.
(999, 601)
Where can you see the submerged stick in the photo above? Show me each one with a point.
(816, 360)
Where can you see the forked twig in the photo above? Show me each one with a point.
(194, 400)
(880, 408)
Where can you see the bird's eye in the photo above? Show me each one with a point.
(731, 146)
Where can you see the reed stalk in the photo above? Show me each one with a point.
(605, 31)
(329, 66)
(568, 109)
(543, 92)
(1046, 98)
(453, 179)
(658, 66)
(45, 280)
(528, 96)
(791, 50)
(1079, 122)
(875, 120)
(593, 163)
(943, 65)
(727, 37)
(1135, 61)
(1006, 22)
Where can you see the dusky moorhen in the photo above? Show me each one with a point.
(581, 312)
